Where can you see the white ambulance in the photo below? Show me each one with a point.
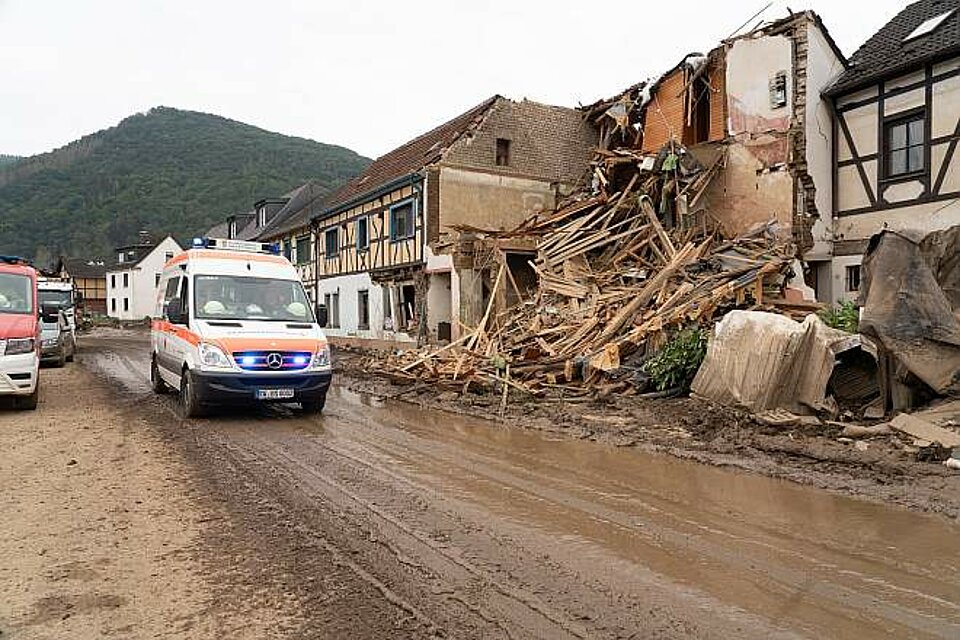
(235, 326)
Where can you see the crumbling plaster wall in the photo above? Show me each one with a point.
(490, 200)
(755, 186)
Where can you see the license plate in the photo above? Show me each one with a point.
(275, 394)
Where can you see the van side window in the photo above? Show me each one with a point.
(173, 285)
(185, 297)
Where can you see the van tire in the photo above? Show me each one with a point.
(190, 406)
(156, 382)
(29, 403)
(314, 407)
(73, 350)
(62, 360)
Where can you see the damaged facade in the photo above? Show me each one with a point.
(750, 111)
(897, 126)
(380, 270)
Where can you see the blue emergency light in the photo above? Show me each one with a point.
(237, 245)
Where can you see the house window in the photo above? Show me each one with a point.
(113, 304)
(853, 278)
(363, 309)
(503, 152)
(288, 249)
(331, 242)
(332, 302)
(303, 249)
(168, 256)
(262, 217)
(126, 304)
(363, 234)
(402, 222)
(120, 257)
(156, 280)
(232, 230)
(113, 281)
(906, 146)
(778, 90)
(126, 280)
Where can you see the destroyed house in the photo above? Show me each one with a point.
(388, 258)
(896, 127)
(751, 115)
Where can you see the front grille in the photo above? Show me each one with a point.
(272, 360)
(20, 376)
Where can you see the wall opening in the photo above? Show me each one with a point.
(524, 277)
(503, 152)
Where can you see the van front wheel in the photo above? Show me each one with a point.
(190, 406)
(314, 407)
(156, 382)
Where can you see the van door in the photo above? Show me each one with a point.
(169, 354)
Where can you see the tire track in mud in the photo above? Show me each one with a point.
(435, 529)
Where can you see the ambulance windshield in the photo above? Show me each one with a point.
(15, 296)
(245, 298)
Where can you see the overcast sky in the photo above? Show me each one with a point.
(367, 75)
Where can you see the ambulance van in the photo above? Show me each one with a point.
(234, 326)
(19, 332)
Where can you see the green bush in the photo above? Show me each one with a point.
(675, 366)
(845, 316)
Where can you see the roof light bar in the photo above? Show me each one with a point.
(236, 245)
(15, 260)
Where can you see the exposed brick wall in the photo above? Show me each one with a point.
(664, 119)
(546, 142)
(433, 204)
(718, 104)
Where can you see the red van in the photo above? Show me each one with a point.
(19, 332)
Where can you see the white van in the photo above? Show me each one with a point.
(235, 326)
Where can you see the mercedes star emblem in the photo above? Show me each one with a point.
(274, 360)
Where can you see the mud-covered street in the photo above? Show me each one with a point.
(384, 520)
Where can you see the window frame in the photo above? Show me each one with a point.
(889, 123)
(331, 232)
(306, 240)
(363, 323)
(412, 232)
(851, 272)
(503, 152)
(365, 245)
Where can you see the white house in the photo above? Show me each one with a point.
(132, 282)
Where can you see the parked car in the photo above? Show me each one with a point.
(19, 332)
(58, 342)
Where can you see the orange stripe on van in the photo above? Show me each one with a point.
(232, 345)
(180, 332)
(207, 254)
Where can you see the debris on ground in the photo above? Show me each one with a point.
(621, 266)
(763, 362)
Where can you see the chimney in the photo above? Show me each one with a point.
(145, 238)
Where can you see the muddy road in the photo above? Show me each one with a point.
(380, 519)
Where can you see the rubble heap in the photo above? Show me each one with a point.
(620, 265)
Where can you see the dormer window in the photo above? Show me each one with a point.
(261, 217)
(120, 257)
(929, 26)
(232, 230)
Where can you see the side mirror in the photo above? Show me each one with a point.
(50, 313)
(323, 317)
(175, 312)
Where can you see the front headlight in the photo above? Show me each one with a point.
(321, 360)
(50, 342)
(213, 357)
(19, 346)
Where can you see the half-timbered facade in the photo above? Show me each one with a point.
(897, 127)
(379, 269)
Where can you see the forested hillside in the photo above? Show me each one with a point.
(5, 159)
(167, 171)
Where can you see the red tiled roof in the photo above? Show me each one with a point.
(410, 157)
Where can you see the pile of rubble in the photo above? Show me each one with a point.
(619, 266)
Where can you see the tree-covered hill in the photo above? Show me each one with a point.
(166, 171)
(5, 159)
